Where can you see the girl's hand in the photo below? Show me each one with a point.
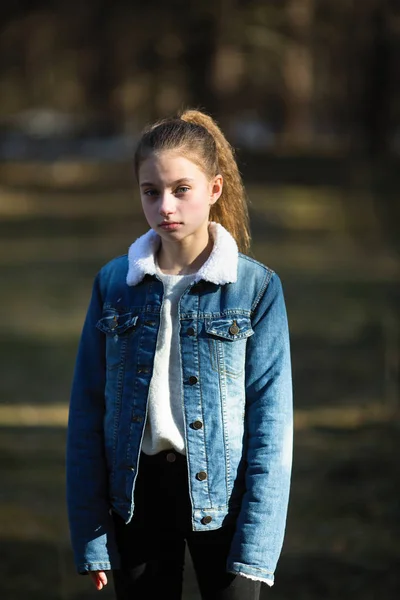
(99, 579)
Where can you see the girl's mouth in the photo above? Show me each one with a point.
(170, 226)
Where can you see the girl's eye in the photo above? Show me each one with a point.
(150, 193)
(182, 189)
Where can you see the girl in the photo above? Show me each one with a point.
(180, 423)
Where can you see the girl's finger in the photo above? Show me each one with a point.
(99, 579)
(102, 579)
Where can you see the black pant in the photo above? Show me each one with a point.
(152, 545)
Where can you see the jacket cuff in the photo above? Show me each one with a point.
(85, 568)
(254, 573)
(99, 554)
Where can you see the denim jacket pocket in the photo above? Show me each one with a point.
(227, 343)
(118, 325)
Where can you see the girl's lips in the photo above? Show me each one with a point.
(170, 226)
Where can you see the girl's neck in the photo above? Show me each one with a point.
(177, 259)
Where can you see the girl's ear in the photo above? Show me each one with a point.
(216, 188)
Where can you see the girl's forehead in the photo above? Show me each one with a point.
(169, 164)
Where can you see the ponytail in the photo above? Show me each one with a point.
(231, 209)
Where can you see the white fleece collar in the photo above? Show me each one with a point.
(220, 267)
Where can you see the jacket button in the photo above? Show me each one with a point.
(171, 457)
(234, 329)
(137, 418)
(193, 379)
(190, 331)
(197, 424)
(206, 520)
(201, 476)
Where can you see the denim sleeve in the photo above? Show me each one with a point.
(258, 539)
(91, 525)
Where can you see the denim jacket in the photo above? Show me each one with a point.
(236, 383)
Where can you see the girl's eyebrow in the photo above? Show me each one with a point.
(177, 182)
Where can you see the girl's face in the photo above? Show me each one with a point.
(176, 196)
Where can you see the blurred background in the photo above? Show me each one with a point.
(308, 91)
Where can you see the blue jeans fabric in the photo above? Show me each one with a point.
(152, 544)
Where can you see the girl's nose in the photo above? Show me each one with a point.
(167, 205)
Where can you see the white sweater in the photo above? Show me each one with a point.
(165, 423)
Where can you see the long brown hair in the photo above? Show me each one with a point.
(198, 138)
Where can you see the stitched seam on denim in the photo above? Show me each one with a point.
(110, 339)
(220, 332)
(203, 419)
(229, 312)
(118, 403)
(108, 342)
(105, 565)
(212, 354)
(138, 362)
(136, 379)
(256, 262)
(262, 290)
(224, 431)
(218, 508)
(233, 374)
(122, 307)
(129, 444)
(229, 338)
(253, 568)
(95, 562)
(184, 412)
(220, 366)
(121, 312)
(196, 347)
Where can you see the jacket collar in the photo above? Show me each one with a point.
(220, 267)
